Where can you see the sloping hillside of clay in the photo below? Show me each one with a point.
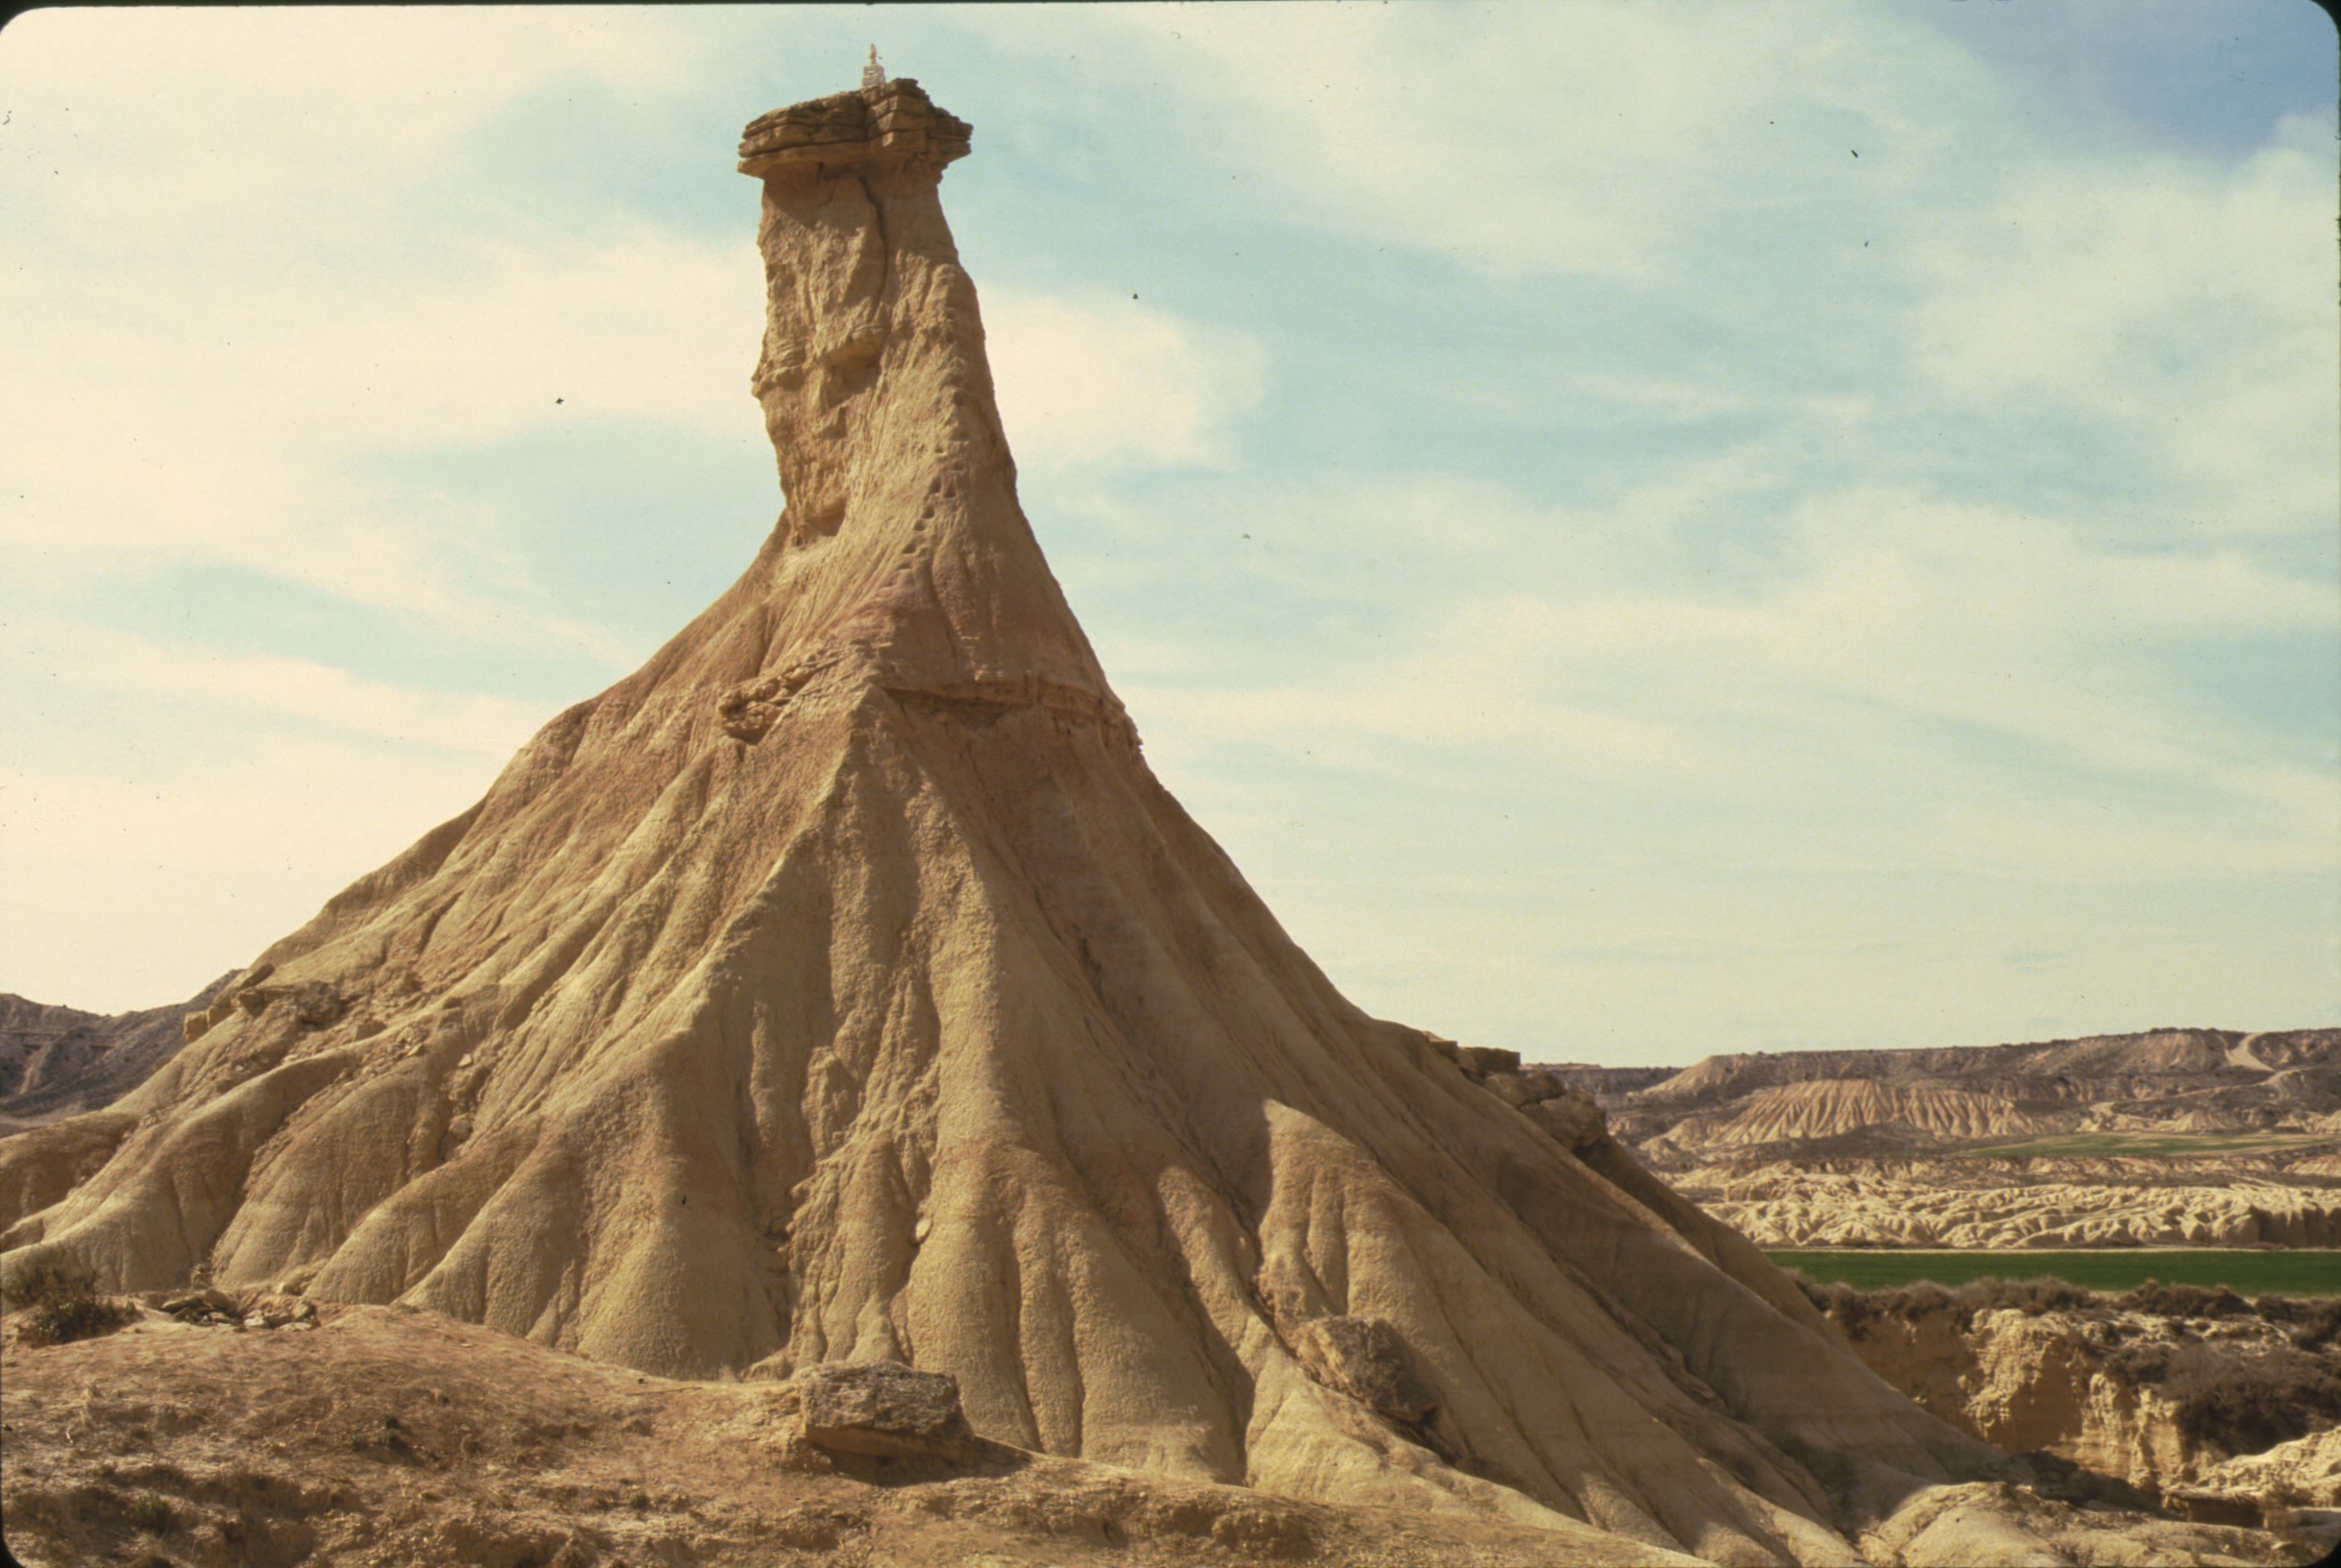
(2179, 1080)
(1825, 1108)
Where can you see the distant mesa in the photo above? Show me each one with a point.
(2175, 1137)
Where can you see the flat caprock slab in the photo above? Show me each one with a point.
(894, 122)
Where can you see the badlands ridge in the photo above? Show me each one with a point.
(2172, 1138)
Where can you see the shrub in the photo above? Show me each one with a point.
(153, 1514)
(2029, 1296)
(2245, 1403)
(1855, 1312)
(1851, 1311)
(2247, 1406)
(2310, 1326)
(1911, 1302)
(65, 1306)
(2184, 1301)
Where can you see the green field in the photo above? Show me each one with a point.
(2114, 1271)
(2180, 1145)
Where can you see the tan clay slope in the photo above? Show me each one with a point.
(1828, 1107)
(843, 985)
(1885, 1103)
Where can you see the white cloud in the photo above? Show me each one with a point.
(247, 109)
(1111, 382)
(2185, 303)
(133, 887)
(200, 421)
(228, 295)
(1907, 627)
(1845, 179)
(210, 803)
(232, 691)
(1596, 137)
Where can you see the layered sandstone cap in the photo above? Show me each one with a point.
(843, 986)
(893, 122)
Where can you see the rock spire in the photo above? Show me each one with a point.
(842, 986)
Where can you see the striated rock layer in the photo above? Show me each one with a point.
(842, 986)
(2273, 1086)
(2170, 1138)
(2222, 1410)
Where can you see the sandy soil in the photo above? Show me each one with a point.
(392, 1437)
(387, 1435)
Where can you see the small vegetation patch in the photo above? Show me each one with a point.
(62, 1308)
(2243, 1404)
(2113, 1269)
(1855, 1310)
(2310, 1326)
(153, 1514)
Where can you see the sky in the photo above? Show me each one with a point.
(1644, 529)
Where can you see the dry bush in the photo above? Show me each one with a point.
(153, 1514)
(1855, 1312)
(1850, 1310)
(63, 1308)
(2244, 1402)
(2184, 1301)
(2310, 1326)
(2029, 1296)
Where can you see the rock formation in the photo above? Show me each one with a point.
(1993, 1204)
(2177, 1082)
(843, 987)
(2172, 1138)
(383, 1437)
(2221, 1409)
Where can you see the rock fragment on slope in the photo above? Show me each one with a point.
(884, 1409)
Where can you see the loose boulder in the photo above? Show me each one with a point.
(884, 1409)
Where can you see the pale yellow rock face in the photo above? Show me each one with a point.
(2303, 1474)
(2033, 1383)
(843, 986)
(2093, 1385)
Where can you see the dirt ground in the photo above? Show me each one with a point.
(391, 1437)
